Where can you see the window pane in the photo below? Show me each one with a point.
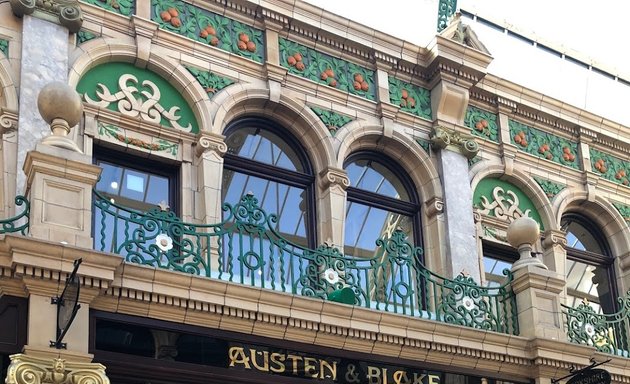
(265, 147)
(365, 225)
(274, 198)
(372, 176)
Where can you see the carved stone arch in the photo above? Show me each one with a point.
(8, 90)
(242, 100)
(603, 214)
(524, 182)
(401, 148)
(107, 50)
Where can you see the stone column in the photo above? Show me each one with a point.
(332, 206)
(209, 162)
(453, 151)
(538, 290)
(45, 45)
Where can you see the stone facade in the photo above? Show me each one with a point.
(339, 88)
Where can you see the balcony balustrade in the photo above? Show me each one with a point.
(18, 223)
(246, 248)
(606, 332)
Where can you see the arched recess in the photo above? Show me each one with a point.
(242, 100)
(359, 135)
(524, 182)
(606, 217)
(104, 50)
(8, 91)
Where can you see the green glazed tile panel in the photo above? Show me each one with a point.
(4, 47)
(543, 144)
(550, 188)
(425, 144)
(503, 200)
(410, 98)
(325, 69)
(159, 146)
(136, 92)
(210, 82)
(332, 120)
(610, 167)
(83, 36)
(624, 210)
(209, 28)
(124, 7)
(482, 123)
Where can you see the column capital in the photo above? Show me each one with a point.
(64, 12)
(8, 120)
(446, 138)
(211, 142)
(34, 370)
(330, 177)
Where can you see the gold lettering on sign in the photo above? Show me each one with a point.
(295, 360)
(237, 356)
(309, 368)
(277, 359)
(331, 368)
(265, 354)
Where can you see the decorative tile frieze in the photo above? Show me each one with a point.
(4, 47)
(610, 167)
(543, 144)
(410, 98)
(123, 7)
(482, 123)
(209, 28)
(159, 145)
(83, 36)
(137, 93)
(624, 211)
(550, 188)
(332, 120)
(324, 69)
(503, 200)
(210, 82)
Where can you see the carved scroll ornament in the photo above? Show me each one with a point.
(505, 205)
(32, 370)
(68, 11)
(133, 102)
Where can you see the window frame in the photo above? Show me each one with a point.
(605, 260)
(411, 208)
(276, 174)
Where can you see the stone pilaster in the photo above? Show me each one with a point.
(210, 151)
(25, 369)
(538, 301)
(332, 205)
(44, 60)
(8, 165)
(454, 150)
(59, 186)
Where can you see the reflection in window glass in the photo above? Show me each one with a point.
(372, 176)
(588, 267)
(265, 147)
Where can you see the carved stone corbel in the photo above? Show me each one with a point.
(33, 370)
(444, 138)
(67, 12)
(554, 237)
(434, 206)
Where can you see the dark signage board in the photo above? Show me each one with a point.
(591, 376)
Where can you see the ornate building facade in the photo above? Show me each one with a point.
(266, 191)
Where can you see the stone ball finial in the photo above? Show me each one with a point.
(58, 100)
(523, 230)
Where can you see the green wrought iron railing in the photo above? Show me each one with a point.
(247, 248)
(606, 332)
(19, 222)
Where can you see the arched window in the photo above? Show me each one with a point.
(589, 265)
(381, 198)
(265, 160)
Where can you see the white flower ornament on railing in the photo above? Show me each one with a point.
(164, 242)
(331, 276)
